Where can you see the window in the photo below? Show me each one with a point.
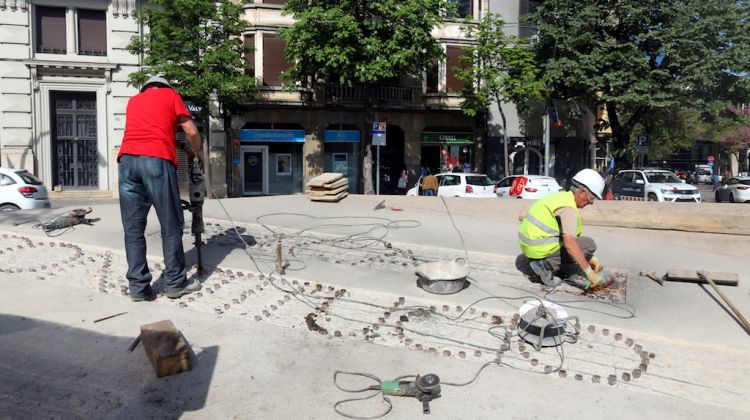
(275, 1)
(432, 75)
(284, 164)
(273, 60)
(453, 53)
(250, 54)
(92, 32)
(28, 178)
(449, 180)
(461, 9)
(6, 180)
(50, 30)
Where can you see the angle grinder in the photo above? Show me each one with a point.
(424, 388)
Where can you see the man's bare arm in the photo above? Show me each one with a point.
(194, 137)
(574, 250)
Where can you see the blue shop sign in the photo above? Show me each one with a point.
(281, 136)
(341, 136)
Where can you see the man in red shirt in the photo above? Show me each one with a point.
(148, 176)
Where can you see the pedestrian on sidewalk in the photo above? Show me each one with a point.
(550, 234)
(147, 167)
(403, 181)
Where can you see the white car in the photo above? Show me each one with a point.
(653, 185)
(529, 187)
(19, 189)
(734, 190)
(457, 184)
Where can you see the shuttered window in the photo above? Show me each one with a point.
(273, 60)
(250, 54)
(432, 77)
(92, 32)
(50, 30)
(274, 1)
(453, 53)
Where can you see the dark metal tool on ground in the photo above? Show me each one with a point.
(67, 220)
(197, 195)
(424, 388)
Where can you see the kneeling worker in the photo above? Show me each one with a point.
(550, 233)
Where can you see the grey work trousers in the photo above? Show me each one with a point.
(561, 257)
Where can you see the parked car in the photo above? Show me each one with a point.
(19, 189)
(652, 185)
(456, 184)
(529, 187)
(702, 176)
(734, 189)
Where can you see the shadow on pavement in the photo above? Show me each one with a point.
(50, 370)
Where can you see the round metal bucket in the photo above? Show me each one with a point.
(442, 277)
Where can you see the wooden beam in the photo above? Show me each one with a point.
(691, 276)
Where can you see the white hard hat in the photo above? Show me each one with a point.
(590, 179)
(153, 80)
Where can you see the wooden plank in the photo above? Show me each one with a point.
(320, 193)
(323, 179)
(725, 279)
(336, 184)
(166, 348)
(330, 198)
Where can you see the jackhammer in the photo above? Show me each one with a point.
(197, 195)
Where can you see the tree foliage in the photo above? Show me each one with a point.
(642, 56)
(360, 41)
(498, 69)
(196, 44)
(365, 42)
(734, 136)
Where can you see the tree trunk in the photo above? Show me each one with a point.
(366, 149)
(506, 140)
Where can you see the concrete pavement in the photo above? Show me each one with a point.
(276, 367)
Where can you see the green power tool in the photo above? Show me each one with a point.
(424, 388)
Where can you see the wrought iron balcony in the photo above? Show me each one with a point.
(393, 95)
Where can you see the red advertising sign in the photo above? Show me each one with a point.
(516, 188)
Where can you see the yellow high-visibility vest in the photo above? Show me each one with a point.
(539, 234)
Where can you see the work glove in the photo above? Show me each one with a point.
(595, 264)
(595, 279)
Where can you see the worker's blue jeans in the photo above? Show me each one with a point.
(147, 181)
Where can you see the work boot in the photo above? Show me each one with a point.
(190, 288)
(543, 269)
(149, 296)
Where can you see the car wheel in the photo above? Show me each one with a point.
(9, 207)
(652, 197)
(717, 197)
(731, 198)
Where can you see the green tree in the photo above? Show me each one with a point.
(734, 135)
(361, 42)
(196, 44)
(643, 56)
(498, 69)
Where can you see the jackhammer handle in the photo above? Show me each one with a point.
(425, 405)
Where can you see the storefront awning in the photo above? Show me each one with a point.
(275, 136)
(453, 138)
(341, 136)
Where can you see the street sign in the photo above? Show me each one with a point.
(711, 159)
(378, 133)
(642, 142)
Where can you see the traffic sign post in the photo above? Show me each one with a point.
(378, 139)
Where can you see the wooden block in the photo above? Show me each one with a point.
(330, 198)
(323, 179)
(166, 348)
(320, 193)
(726, 279)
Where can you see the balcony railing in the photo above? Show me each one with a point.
(388, 94)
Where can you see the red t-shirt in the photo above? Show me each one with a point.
(151, 124)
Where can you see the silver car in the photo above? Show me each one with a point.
(19, 189)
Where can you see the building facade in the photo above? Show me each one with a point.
(63, 89)
(283, 138)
